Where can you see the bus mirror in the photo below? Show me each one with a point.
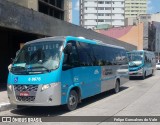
(68, 48)
(12, 60)
(17, 52)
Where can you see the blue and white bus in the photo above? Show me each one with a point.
(64, 70)
(141, 63)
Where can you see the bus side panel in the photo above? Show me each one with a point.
(111, 73)
(107, 77)
(66, 82)
(89, 79)
(123, 73)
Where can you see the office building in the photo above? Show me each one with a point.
(61, 9)
(99, 12)
(134, 8)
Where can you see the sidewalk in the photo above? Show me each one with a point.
(3, 95)
(4, 102)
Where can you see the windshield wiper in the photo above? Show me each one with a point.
(17, 67)
(37, 67)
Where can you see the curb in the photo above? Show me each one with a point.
(6, 106)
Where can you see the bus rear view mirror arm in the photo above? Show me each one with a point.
(17, 52)
(12, 60)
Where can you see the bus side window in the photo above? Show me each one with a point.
(71, 59)
(85, 54)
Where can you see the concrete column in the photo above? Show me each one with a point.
(31, 4)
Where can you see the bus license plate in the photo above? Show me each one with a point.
(24, 93)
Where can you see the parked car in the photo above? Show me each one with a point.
(158, 66)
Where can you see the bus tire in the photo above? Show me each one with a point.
(72, 100)
(130, 77)
(117, 86)
(144, 76)
(152, 73)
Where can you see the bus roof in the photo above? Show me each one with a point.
(47, 39)
(81, 39)
(140, 51)
(98, 42)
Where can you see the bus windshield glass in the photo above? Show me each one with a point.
(135, 58)
(38, 57)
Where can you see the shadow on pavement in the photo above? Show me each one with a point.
(139, 78)
(59, 110)
(3, 87)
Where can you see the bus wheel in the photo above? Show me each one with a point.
(130, 77)
(144, 76)
(72, 101)
(117, 86)
(152, 73)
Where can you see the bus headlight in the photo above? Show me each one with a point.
(44, 87)
(9, 87)
(140, 71)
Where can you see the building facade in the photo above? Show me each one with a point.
(154, 38)
(98, 12)
(155, 17)
(147, 20)
(68, 9)
(129, 34)
(133, 8)
(61, 9)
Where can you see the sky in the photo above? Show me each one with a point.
(153, 7)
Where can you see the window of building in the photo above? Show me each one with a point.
(107, 8)
(108, 20)
(100, 14)
(107, 14)
(100, 20)
(107, 2)
(100, 2)
(100, 8)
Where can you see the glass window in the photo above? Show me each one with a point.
(40, 56)
(85, 54)
(71, 59)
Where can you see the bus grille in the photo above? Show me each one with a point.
(31, 89)
(28, 88)
(25, 98)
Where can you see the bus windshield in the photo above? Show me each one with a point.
(135, 56)
(135, 59)
(38, 57)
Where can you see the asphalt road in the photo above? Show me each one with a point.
(136, 98)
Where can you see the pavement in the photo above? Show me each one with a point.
(136, 98)
(4, 102)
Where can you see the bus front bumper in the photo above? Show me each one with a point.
(38, 97)
(136, 73)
